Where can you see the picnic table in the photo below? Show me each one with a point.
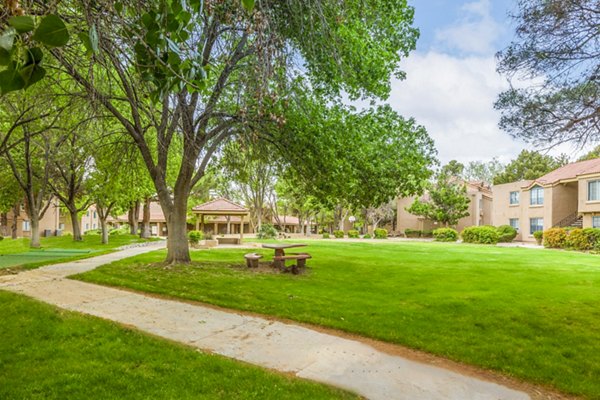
(280, 256)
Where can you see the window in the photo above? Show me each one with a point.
(26, 226)
(87, 226)
(536, 196)
(94, 214)
(593, 190)
(87, 214)
(596, 222)
(536, 224)
(514, 198)
(514, 222)
(94, 226)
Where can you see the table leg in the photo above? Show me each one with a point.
(279, 264)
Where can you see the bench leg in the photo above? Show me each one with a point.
(302, 263)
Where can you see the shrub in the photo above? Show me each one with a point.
(354, 234)
(445, 235)
(325, 235)
(555, 238)
(338, 234)
(195, 236)
(123, 230)
(427, 234)
(480, 234)
(538, 235)
(267, 231)
(93, 232)
(367, 236)
(380, 233)
(578, 240)
(506, 233)
(412, 233)
(593, 235)
(1, 238)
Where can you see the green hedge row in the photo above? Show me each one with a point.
(575, 239)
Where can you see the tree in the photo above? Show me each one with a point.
(595, 153)
(482, 171)
(529, 165)
(11, 197)
(376, 215)
(558, 50)
(448, 201)
(207, 71)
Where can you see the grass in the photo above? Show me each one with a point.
(46, 353)
(16, 254)
(532, 314)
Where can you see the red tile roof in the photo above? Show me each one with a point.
(220, 205)
(570, 171)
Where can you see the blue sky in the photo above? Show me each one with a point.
(452, 82)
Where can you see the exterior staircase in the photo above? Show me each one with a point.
(573, 220)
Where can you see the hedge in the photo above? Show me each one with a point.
(506, 233)
(380, 233)
(445, 235)
(338, 234)
(480, 234)
(555, 238)
(353, 234)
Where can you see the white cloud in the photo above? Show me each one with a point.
(453, 98)
(475, 32)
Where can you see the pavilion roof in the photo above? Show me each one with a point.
(220, 206)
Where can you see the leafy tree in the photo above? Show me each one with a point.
(11, 197)
(483, 171)
(595, 153)
(205, 72)
(448, 201)
(529, 165)
(556, 47)
(377, 215)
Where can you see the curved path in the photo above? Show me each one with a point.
(285, 347)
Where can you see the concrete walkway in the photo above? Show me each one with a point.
(285, 347)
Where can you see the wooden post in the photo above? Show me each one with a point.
(202, 222)
(241, 228)
(216, 228)
(197, 223)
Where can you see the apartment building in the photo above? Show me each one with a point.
(567, 196)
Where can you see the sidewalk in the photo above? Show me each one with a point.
(285, 347)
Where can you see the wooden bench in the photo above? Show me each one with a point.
(299, 257)
(252, 260)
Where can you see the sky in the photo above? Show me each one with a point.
(452, 83)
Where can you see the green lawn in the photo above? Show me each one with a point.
(46, 353)
(532, 314)
(17, 254)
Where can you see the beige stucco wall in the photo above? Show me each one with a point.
(564, 201)
(503, 211)
(50, 221)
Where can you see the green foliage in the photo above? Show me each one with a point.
(529, 165)
(380, 233)
(555, 238)
(412, 233)
(267, 231)
(367, 236)
(506, 233)
(427, 233)
(482, 171)
(480, 234)
(448, 201)
(353, 234)
(20, 55)
(93, 232)
(122, 230)
(539, 236)
(325, 235)
(1, 238)
(339, 234)
(195, 236)
(593, 235)
(445, 235)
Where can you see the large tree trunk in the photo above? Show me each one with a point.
(15, 221)
(145, 231)
(76, 226)
(104, 230)
(35, 231)
(133, 216)
(178, 250)
(4, 224)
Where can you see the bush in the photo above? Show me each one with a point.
(93, 232)
(267, 231)
(325, 235)
(195, 236)
(506, 233)
(480, 234)
(338, 234)
(123, 230)
(1, 238)
(412, 233)
(354, 234)
(593, 236)
(555, 238)
(367, 236)
(445, 235)
(578, 240)
(427, 234)
(538, 235)
(380, 233)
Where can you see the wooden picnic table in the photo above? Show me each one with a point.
(280, 248)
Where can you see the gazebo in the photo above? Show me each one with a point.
(220, 208)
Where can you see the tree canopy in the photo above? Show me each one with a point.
(529, 165)
(557, 50)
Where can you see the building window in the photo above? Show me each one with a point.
(87, 226)
(94, 214)
(596, 222)
(94, 226)
(514, 222)
(536, 196)
(26, 226)
(536, 224)
(593, 190)
(514, 198)
(61, 226)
